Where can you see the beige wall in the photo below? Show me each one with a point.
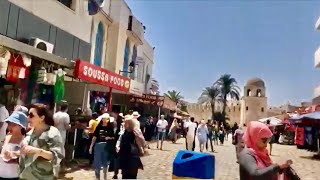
(254, 112)
(75, 21)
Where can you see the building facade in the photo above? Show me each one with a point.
(316, 99)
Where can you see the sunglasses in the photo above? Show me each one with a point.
(30, 115)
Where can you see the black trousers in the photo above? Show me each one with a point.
(129, 173)
(9, 178)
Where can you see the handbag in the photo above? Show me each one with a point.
(290, 174)
(135, 151)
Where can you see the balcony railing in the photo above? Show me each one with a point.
(136, 27)
(317, 58)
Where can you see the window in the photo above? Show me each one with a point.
(247, 108)
(99, 46)
(259, 94)
(126, 59)
(67, 3)
(133, 59)
(248, 92)
(262, 109)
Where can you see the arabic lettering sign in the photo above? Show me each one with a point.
(95, 74)
(148, 99)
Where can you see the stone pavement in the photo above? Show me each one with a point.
(158, 165)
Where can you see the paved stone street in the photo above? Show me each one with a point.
(158, 165)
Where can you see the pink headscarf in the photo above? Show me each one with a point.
(254, 132)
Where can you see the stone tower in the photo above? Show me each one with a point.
(254, 101)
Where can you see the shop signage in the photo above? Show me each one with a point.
(148, 99)
(136, 88)
(95, 74)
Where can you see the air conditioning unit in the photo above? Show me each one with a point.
(41, 44)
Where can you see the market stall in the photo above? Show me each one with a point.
(307, 131)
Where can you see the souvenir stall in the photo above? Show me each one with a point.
(14, 71)
(287, 132)
(307, 131)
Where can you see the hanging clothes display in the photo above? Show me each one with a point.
(4, 60)
(16, 68)
(59, 86)
(299, 137)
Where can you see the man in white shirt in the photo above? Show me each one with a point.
(62, 123)
(191, 131)
(4, 114)
(162, 128)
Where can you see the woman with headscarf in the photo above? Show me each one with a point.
(103, 138)
(254, 161)
(130, 147)
(202, 133)
(173, 130)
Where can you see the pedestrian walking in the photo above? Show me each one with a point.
(238, 141)
(42, 147)
(202, 133)
(130, 147)
(103, 138)
(173, 130)
(254, 161)
(162, 125)
(62, 123)
(273, 138)
(221, 135)
(9, 161)
(233, 129)
(149, 131)
(210, 135)
(119, 132)
(191, 131)
(93, 123)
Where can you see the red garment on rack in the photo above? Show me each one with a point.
(299, 139)
(16, 68)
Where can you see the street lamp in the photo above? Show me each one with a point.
(131, 68)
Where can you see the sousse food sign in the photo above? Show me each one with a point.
(95, 74)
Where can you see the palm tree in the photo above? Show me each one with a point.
(174, 96)
(228, 89)
(209, 96)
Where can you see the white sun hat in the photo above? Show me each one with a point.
(136, 114)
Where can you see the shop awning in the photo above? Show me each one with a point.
(25, 48)
(273, 121)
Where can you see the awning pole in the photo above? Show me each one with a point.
(110, 99)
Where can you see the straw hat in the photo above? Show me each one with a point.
(105, 115)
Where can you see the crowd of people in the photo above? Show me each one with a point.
(33, 143)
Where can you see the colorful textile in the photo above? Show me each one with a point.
(59, 89)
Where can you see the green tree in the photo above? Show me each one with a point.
(228, 89)
(174, 96)
(209, 96)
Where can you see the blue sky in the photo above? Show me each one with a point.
(198, 41)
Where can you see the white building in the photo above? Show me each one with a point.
(316, 99)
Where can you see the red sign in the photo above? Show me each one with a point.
(148, 99)
(95, 74)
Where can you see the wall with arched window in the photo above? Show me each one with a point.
(126, 59)
(98, 46)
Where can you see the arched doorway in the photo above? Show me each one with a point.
(99, 46)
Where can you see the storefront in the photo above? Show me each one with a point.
(30, 75)
(96, 76)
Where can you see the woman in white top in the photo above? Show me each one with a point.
(9, 160)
